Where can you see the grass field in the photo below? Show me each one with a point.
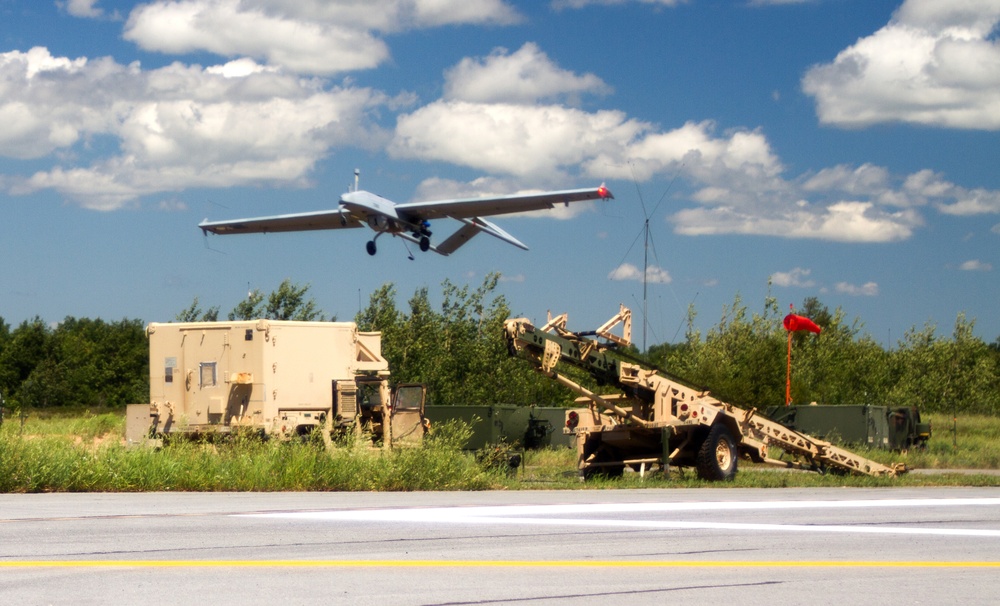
(56, 450)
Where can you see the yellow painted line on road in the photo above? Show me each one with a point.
(481, 564)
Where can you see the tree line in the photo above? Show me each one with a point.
(456, 348)
(83, 362)
(743, 360)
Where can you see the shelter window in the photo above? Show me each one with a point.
(208, 374)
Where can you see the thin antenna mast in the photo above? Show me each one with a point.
(645, 283)
(645, 254)
(645, 259)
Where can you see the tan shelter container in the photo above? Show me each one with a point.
(279, 376)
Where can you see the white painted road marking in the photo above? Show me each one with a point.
(595, 515)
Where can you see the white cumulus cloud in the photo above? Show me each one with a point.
(536, 141)
(736, 181)
(796, 277)
(776, 2)
(838, 222)
(561, 4)
(227, 28)
(935, 63)
(311, 37)
(171, 128)
(868, 289)
(82, 8)
(864, 180)
(627, 271)
(524, 76)
(971, 202)
(116, 132)
(436, 188)
(975, 265)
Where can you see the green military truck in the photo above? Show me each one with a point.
(528, 427)
(885, 427)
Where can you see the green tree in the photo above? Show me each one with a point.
(47, 385)
(194, 313)
(4, 334)
(944, 375)
(4, 338)
(123, 354)
(97, 363)
(418, 347)
(742, 359)
(840, 365)
(288, 302)
(250, 308)
(458, 352)
(381, 313)
(27, 346)
(80, 362)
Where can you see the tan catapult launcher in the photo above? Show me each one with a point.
(654, 420)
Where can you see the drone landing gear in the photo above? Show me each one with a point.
(424, 242)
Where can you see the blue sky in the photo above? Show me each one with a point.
(838, 149)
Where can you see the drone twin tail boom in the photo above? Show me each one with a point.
(411, 221)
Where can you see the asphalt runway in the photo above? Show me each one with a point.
(740, 546)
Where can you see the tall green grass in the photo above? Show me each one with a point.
(59, 462)
(548, 469)
(85, 425)
(85, 451)
(978, 449)
(976, 445)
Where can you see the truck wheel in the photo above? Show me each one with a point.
(608, 471)
(717, 456)
(604, 455)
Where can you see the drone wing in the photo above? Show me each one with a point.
(324, 219)
(470, 211)
(468, 208)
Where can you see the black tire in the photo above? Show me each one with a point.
(425, 244)
(602, 454)
(605, 471)
(370, 247)
(717, 457)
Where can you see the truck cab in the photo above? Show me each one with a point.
(390, 417)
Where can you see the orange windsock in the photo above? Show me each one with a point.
(795, 323)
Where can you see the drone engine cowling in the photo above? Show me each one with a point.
(381, 223)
